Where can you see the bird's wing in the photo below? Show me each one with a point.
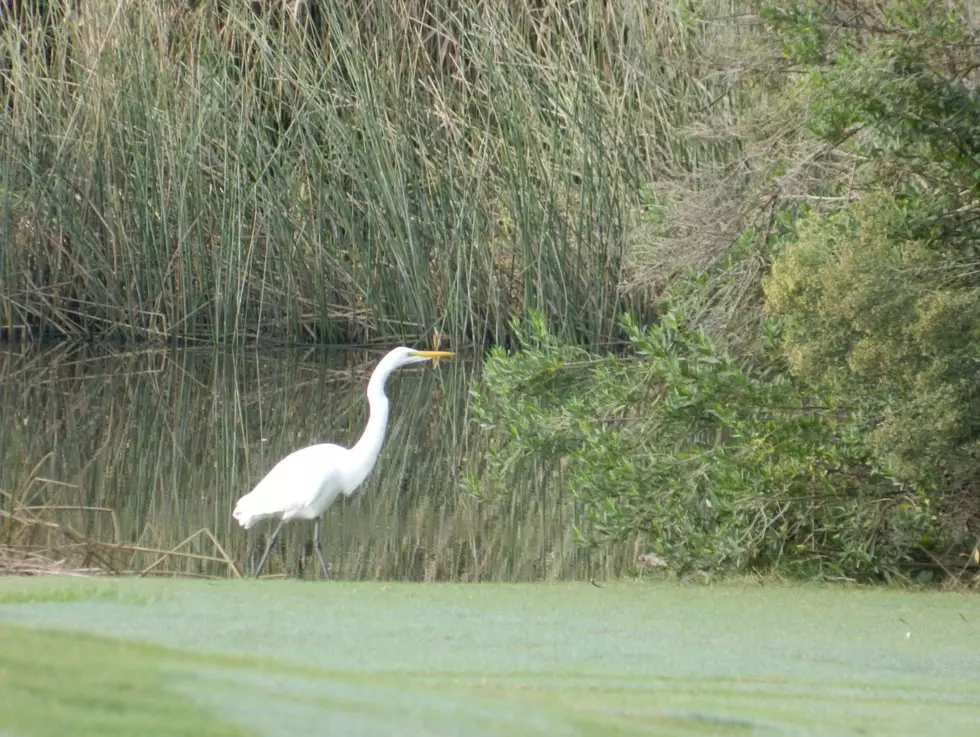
(295, 485)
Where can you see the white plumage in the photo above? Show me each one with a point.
(285, 492)
(306, 482)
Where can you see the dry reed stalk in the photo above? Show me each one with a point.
(17, 555)
(34, 564)
(173, 552)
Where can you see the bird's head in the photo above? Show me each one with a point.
(394, 360)
(404, 356)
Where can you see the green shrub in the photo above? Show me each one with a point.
(878, 292)
(720, 467)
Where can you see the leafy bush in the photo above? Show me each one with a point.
(841, 436)
(886, 317)
(878, 292)
(719, 466)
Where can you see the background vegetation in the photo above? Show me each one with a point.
(808, 397)
(335, 172)
(768, 208)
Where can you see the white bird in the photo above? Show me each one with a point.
(304, 483)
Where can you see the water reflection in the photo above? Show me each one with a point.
(108, 458)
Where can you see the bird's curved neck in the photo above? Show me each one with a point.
(368, 447)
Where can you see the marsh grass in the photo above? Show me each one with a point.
(217, 175)
(131, 463)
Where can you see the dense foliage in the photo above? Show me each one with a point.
(718, 465)
(223, 172)
(882, 295)
(843, 437)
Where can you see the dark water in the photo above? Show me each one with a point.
(109, 459)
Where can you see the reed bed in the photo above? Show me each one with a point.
(329, 172)
(131, 462)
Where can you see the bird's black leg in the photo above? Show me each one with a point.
(319, 548)
(268, 549)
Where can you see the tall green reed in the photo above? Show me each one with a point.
(215, 175)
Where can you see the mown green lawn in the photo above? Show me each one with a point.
(162, 657)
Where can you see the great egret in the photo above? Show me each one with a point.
(304, 483)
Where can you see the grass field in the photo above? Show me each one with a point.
(164, 657)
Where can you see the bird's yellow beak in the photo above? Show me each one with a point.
(434, 355)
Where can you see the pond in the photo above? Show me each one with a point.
(132, 460)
